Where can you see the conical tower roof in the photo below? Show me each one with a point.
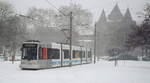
(127, 15)
(102, 18)
(115, 14)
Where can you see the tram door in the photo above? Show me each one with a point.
(44, 53)
(66, 56)
(43, 58)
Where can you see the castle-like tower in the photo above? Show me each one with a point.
(115, 14)
(112, 30)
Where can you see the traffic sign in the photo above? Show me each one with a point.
(116, 51)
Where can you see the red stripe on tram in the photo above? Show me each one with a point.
(44, 53)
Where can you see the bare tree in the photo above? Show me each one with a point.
(41, 17)
(12, 30)
(6, 10)
(81, 18)
(140, 35)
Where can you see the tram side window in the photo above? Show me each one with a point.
(76, 54)
(83, 54)
(89, 54)
(49, 53)
(53, 53)
(66, 54)
(40, 53)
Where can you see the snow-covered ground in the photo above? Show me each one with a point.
(101, 72)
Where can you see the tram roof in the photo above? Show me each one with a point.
(55, 45)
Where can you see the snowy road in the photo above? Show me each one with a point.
(101, 72)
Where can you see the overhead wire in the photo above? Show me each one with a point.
(55, 7)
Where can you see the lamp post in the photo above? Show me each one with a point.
(95, 43)
(70, 37)
(70, 52)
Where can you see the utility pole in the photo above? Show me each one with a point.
(70, 52)
(95, 44)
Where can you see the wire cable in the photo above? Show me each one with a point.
(55, 7)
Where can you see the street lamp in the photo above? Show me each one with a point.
(95, 43)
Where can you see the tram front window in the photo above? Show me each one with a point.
(29, 52)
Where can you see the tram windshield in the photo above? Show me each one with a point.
(29, 52)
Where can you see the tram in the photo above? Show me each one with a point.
(40, 55)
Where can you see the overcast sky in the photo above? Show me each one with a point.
(94, 6)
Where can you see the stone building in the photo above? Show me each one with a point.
(112, 30)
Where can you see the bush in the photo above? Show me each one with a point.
(123, 57)
(146, 58)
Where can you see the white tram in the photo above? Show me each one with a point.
(38, 55)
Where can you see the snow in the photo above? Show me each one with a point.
(101, 72)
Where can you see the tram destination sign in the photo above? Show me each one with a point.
(29, 45)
